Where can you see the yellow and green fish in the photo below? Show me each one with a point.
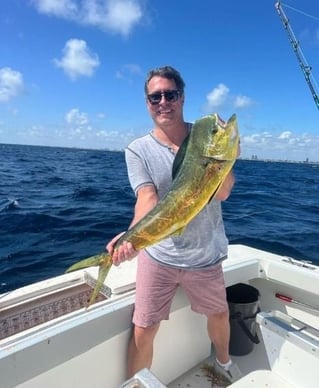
(200, 166)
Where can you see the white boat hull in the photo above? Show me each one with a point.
(88, 347)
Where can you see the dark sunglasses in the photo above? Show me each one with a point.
(169, 95)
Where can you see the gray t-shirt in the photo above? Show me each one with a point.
(203, 242)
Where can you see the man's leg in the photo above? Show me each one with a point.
(211, 301)
(140, 350)
(155, 288)
(219, 332)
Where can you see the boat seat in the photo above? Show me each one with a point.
(292, 348)
(260, 379)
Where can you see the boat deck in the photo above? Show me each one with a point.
(198, 378)
(287, 356)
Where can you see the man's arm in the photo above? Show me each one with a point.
(225, 189)
(146, 199)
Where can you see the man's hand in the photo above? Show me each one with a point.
(122, 253)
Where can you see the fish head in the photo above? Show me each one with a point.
(222, 138)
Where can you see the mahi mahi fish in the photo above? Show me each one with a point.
(202, 163)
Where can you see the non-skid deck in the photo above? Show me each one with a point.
(286, 357)
(197, 378)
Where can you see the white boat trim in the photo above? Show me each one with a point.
(87, 347)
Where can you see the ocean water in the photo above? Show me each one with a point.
(60, 205)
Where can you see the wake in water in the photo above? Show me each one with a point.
(9, 204)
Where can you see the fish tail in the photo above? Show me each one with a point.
(103, 271)
(90, 262)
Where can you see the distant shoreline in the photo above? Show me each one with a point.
(279, 161)
(251, 159)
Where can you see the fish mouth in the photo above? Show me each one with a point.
(223, 140)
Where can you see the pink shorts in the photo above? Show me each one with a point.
(156, 285)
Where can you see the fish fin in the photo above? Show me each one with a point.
(179, 157)
(103, 271)
(89, 262)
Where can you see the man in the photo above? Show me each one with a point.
(189, 260)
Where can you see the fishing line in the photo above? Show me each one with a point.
(301, 12)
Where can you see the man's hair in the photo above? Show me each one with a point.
(166, 72)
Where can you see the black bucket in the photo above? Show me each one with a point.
(243, 302)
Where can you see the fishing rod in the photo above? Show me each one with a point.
(288, 299)
(305, 67)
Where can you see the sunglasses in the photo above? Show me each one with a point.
(169, 95)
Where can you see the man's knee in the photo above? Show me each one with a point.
(219, 317)
(224, 314)
(144, 336)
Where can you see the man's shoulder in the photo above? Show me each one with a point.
(140, 142)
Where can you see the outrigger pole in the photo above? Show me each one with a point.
(306, 69)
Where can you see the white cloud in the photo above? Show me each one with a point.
(60, 8)
(242, 102)
(11, 84)
(127, 70)
(75, 117)
(217, 96)
(220, 96)
(285, 135)
(116, 16)
(284, 146)
(77, 59)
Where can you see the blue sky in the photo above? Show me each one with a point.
(72, 72)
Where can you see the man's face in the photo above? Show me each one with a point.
(164, 112)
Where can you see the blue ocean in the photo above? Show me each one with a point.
(60, 205)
